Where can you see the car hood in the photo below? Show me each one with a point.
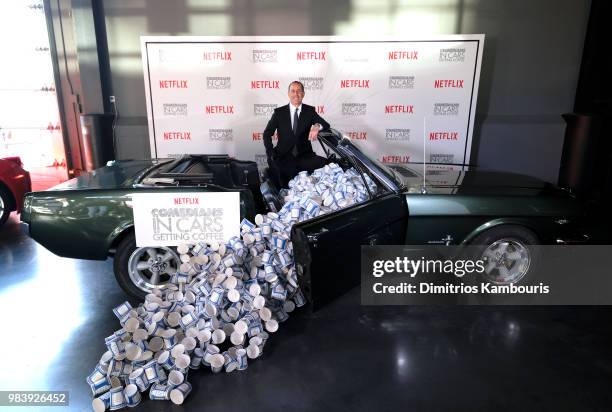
(122, 173)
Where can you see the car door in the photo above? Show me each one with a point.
(327, 250)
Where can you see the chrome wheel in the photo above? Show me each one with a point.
(151, 267)
(506, 261)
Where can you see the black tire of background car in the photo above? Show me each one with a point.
(7, 200)
(120, 265)
(517, 233)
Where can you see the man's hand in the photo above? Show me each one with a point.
(314, 131)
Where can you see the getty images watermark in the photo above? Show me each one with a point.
(458, 268)
(534, 275)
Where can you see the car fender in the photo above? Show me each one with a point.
(117, 234)
(500, 222)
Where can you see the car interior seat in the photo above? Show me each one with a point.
(246, 173)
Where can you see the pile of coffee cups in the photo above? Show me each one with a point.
(218, 310)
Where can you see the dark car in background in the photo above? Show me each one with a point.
(90, 217)
(14, 184)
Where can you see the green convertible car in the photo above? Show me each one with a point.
(90, 217)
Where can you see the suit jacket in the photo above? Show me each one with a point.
(281, 122)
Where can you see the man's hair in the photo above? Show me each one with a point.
(295, 82)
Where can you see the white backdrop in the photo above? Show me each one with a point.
(216, 94)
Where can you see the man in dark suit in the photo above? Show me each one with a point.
(295, 123)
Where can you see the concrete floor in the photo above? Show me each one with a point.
(56, 312)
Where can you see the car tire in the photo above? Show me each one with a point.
(140, 270)
(508, 253)
(5, 205)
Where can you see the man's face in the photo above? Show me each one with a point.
(296, 94)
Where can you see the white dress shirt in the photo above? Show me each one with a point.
(293, 109)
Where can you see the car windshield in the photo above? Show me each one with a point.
(392, 174)
(349, 151)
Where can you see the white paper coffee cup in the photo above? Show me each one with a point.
(218, 336)
(131, 325)
(233, 312)
(241, 327)
(204, 336)
(216, 362)
(132, 395)
(132, 351)
(252, 351)
(289, 306)
(237, 338)
(140, 335)
(254, 289)
(156, 344)
(177, 350)
(189, 343)
(259, 302)
(182, 248)
(230, 283)
(178, 394)
(265, 314)
(228, 328)
(101, 403)
(182, 361)
(175, 377)
(173, 319)
(233, 295)
(271, 325)
(165, 359)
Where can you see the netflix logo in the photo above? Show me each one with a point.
(448, 84)
(443, 135)
(213, 109)
(403, 55)
(358, 84)
(186, 201)
(320, 109)
(311, 55)
(173, 84)
(395, 159)
(177, 135)
(399, 109)
(265, 84)
(217, 56)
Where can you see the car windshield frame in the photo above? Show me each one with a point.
(343, 146)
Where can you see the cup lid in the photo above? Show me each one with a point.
(98, 405)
